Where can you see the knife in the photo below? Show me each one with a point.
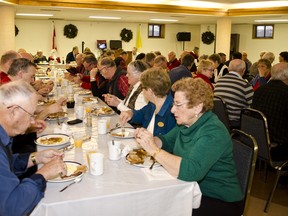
(75, 181)
(66, 148)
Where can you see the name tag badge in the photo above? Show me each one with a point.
(160, 124)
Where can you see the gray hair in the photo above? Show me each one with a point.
(9, 55)
(14, 92)
(270, 56)
(137, 66)
(280, 71)
(18, 65)
(237, 65)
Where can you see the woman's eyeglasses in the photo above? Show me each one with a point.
(177, 105)
(209, 69)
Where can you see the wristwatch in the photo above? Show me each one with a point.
(33, 158)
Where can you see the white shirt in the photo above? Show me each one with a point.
(150, 127)
(139, 103)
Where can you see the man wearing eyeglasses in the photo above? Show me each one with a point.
(17, 107)
(117, 80)
(89, 63)
(23, 69)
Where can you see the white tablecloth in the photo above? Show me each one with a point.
(123, 189)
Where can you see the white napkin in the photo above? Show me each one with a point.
(129, 146)
(126, 150)
(157, 173)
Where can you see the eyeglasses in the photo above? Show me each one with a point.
(32, 116)
(177, 105)
(100, 70)
(209, 69)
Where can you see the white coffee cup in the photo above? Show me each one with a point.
(96, 163)
(102, 126)
(79, 112)
(114, 150)
(108, 122)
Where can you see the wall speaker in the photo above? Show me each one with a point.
(183, 36)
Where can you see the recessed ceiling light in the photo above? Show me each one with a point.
(28, 14)
(279, 20)
(104, 17)
(164, 20)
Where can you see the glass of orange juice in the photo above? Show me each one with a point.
(78, 139)
(88, 108)
(92, 151)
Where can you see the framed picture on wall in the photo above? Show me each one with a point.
(101, 44)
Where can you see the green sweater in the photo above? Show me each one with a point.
(207, 157)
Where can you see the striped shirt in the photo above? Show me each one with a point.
(236, 92)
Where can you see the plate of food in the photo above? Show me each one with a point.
(74, 170)
(47, 102)
(57, 116)
(122, 133)
(56, 139)
(140, 158)
(84, 92)
(103, 111)
(89, 100)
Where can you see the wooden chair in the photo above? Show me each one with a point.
(245, 151)
(221, 111)
(255, 123)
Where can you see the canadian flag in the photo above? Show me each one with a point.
(54, 45)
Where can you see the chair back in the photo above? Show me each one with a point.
(245, 151)
(220, 110)
(254, 122)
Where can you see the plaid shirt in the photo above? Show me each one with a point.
(272, 100)
(123, 85)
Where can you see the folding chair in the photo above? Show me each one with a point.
(255, 123)
(221, 111)
(245, 151)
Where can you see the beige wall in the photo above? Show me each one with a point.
(37, 34)
(254, 46)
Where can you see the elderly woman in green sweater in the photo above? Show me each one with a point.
(198, 149)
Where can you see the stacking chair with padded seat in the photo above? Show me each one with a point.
(255, 123)
(220, 110)
(245, 151)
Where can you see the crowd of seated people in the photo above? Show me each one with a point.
(154, 93)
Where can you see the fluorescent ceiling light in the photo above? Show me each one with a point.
(104, 17)
(40, 15)
(279, 20)
(261, 4)
(164, 20)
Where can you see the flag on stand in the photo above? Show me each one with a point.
(139, 39)
(54, 46)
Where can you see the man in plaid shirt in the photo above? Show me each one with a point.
(272, 100)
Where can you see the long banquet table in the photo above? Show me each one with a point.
(123, 189)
